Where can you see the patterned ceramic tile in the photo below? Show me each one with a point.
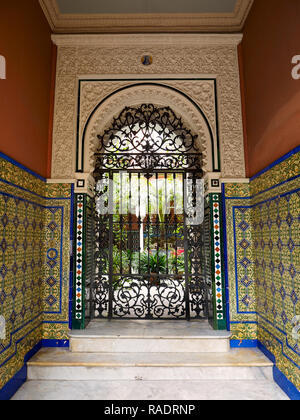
(276, 233)
(34, 263)
(57, 262)
(217, 255)
(237, 190)
(240, 263)
(79, 226)
(263, 247)
(276, 175)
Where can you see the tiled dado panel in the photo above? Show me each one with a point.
(57, 276)
(34, 263)
(276, 235)
(240, 262)
(263, 258)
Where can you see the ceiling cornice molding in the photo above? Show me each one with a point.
(146, 40)
(51, 11)
(146, 23)
(242, 10)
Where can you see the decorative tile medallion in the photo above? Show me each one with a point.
(147, 60)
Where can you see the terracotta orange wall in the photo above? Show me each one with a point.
(25, 94)
(272, 96)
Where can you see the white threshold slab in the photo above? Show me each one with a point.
(149, 329)
(149, 336)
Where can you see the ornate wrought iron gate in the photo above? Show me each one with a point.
(149, 260)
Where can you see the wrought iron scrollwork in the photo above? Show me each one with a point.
(134, 298)
(147, 138)
(148, 265)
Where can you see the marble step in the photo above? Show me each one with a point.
(219, 390)
(61, 364)
(149, 337)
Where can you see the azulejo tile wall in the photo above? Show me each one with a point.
(240, 262)
(276, 233)
(34, 263)
(57, 276)
(263, 247)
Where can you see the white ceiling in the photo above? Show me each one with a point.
(146, 16)
(145, 6)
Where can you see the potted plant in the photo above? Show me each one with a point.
(153, 264)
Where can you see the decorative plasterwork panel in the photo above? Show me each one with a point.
(143, 23)
(92, 93)
(174, 57)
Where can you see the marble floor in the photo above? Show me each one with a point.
(150, 390)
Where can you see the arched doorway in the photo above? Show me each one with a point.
(93, 294)
(147, 220)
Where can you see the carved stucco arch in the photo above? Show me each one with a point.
(159, 95)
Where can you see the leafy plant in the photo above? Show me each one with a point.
(121, 259)
(156, 263)
(117, 263)
(178, 264)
